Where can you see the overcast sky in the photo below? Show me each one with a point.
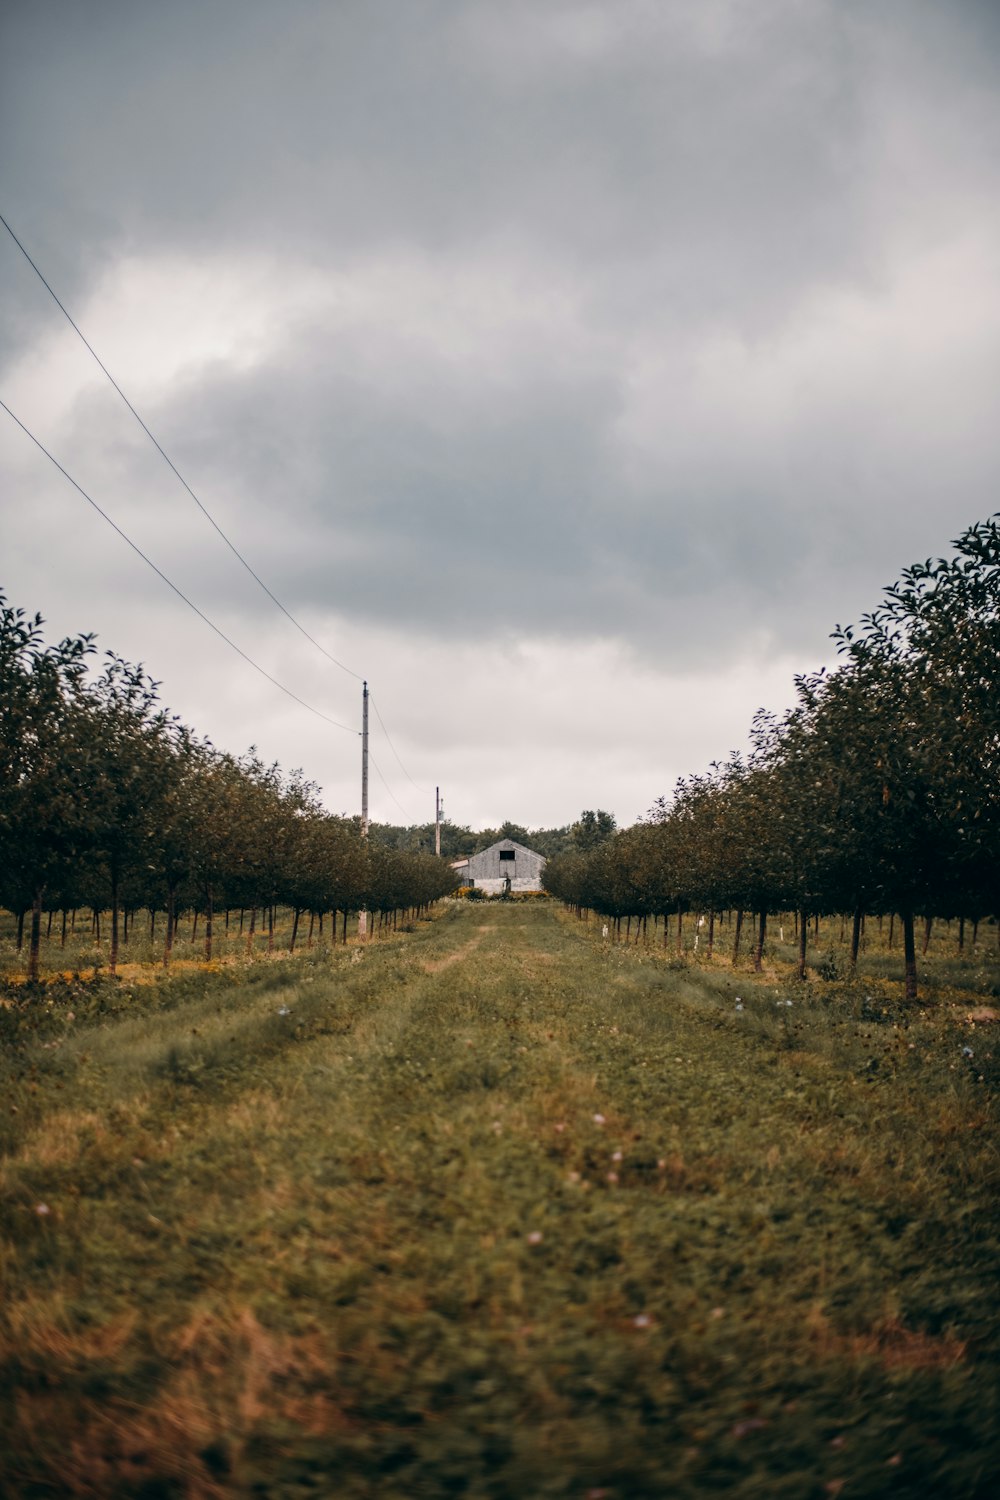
(569, 368)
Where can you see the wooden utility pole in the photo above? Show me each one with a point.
(363, 914)
(437, 821)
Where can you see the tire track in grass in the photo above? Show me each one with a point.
(519, 1225)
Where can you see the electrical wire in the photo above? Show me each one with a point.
(171, 585)
(169, 461)
(208, 516)
(422, 790)
(406, 813)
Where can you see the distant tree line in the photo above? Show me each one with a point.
(458, 840)
(108, 801)
(877, 793)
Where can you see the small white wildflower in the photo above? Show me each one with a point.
(739, 1005)
(283, 1010)
(535, 1237)
(612, 1177)
(598, 1119)
(616, 1156)
(642, 1320)
(42, 1209)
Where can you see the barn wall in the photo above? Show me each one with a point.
(488, 871)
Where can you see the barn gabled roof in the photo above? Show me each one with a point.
(507, 844)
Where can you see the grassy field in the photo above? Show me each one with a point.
(494, 1208)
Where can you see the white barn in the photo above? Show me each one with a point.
(491, 868)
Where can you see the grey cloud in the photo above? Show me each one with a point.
(682, 169)
(315, 127)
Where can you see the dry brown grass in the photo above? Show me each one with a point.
(230, 1376)
(457, 956)
(888, 1341)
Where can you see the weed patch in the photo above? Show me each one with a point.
(492, 1208)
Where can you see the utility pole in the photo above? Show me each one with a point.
(364, 761)
(363, 914)
(437, 821)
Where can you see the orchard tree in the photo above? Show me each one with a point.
(44, 746)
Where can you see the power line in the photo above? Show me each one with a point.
(169, 461)
(208, 516)
(171, 585)
(422, 790)
(403, 810)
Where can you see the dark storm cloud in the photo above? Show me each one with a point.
(629, 133)
(696, 447)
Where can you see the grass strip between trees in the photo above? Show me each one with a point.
(493, 1209)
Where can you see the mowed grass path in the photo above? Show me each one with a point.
(492, 1209)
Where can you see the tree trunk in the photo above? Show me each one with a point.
(343, 936)
(36, 934)
(927, 934)
(711, 932)
(169, 940)
(803, 930)
(892, 928)
(252, 929)
(312, 921)
(295, 931)
(113, 961)
(194, 926)
(208, 928)
(62, 943)
(855, 937)
(736, 935)
(909, 955)
(20, 930)
(242, 910)
(48, 930)
(758, 957)
(961, 933)
(680, 931)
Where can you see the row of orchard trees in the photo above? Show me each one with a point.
(877, 792)
(107, 800)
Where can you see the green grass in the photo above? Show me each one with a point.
(350, 1224)
(82, 954)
